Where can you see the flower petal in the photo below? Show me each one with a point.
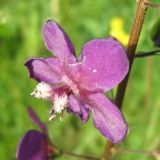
(45, 69)
(32, 147)
(104, 64)
(107, 118)
(78, 107)
(37, 120)
(58, 42)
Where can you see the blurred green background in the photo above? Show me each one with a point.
(21, 38)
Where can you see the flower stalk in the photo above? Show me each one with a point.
(132, 45)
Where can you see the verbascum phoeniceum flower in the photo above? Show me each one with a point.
(78, 85)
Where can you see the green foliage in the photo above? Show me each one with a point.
(21, 38)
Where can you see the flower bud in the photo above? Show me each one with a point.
(156, 33)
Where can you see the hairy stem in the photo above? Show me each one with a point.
(152, 5)
(132, 45)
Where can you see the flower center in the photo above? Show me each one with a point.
(60, 100)
(71, 84)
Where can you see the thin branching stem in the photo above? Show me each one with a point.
(147, 54)
(84, 157)
(132, 45)
(153, 153)
(59, 152)
(152, 5)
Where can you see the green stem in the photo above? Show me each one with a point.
(132, 45)
(85, 157)
(153, 154)
(58, 153)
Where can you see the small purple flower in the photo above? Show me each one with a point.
(35, 144)
(78, 85)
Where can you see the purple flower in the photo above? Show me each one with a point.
(35, 144)
(78, 85)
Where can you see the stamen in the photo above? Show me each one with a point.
(51, 114)
(60, 104)
(61, 116)
(52, 117)
(42, 90)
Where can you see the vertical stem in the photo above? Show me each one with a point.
(132, 45)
